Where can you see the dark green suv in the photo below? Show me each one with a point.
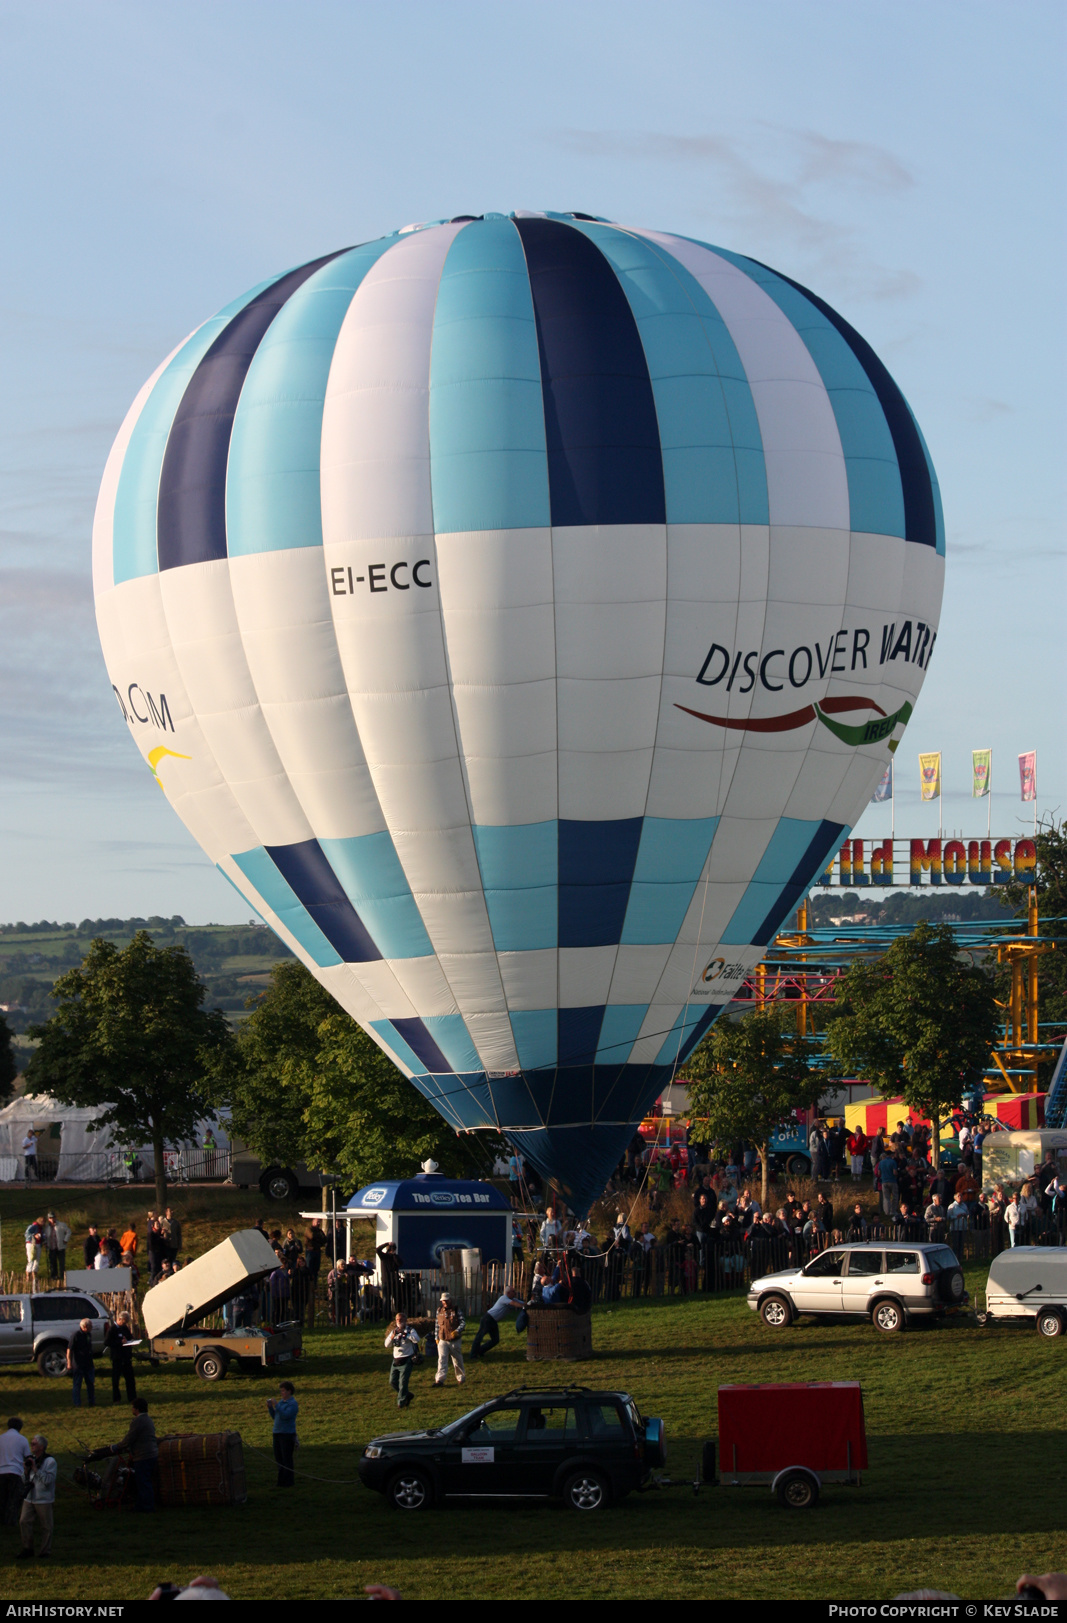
(585, 1447)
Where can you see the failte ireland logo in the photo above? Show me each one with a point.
(856, 648)
(866, 732)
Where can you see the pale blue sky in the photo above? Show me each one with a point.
(903, 159)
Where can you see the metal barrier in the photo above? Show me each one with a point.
(118, 1167)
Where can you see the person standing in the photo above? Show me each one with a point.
(29, 1154)
(450, 1325)
(128, 1240)
(118, 1340)
(299, 1288)
(171, 1229)
(80, 1363)
(140, 1443)
(509, 1301)
(210, 1148)
(37, 1507)
(405, 1344)
(91, 1246)
(33, 1236)
(887, 1177)
(14, 1452)
(58, 1240)
(284, 1413)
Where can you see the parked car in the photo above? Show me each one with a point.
(1029, 1282)
(890, 1284)
(37, 1328)
(585, 1447)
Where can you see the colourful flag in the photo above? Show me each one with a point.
(884, 790)
(1028, 775)
(982, 769)
(930, 775)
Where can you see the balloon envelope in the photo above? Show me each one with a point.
(519, 611)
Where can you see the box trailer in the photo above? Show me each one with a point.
(173, 1309)
(793, 1436)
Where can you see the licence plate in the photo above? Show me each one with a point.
(282, 1358)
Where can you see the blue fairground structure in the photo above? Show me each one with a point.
(428, 1214)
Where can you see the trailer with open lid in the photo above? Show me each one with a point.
(173, 1310)
(791, 1435)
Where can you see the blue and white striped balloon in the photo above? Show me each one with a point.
(520, 610)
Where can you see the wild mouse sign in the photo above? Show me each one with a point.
(931, 862)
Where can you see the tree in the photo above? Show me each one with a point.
(749, 1075)
(919, 1022)
(9, 1065)
(306, 1083)
(130, 1035)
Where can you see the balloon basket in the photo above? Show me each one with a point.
(556, 1332)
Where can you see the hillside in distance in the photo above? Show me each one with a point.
(234, 960)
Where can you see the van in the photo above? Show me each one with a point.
(273, 1180)
(1029, 1282)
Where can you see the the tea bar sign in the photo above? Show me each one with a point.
(931, 862)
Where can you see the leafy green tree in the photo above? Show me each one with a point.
(306, 1083)
(749, 1075)
(130, 1035)
(920, 1022)
(9, 1065)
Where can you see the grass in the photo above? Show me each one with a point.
(963, 1425)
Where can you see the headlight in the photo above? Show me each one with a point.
(372, 1453)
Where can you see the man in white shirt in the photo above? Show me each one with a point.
(29, 1153)
(509, 1301)
(14, 1452)
(37, 1505)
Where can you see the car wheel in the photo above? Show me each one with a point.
(586, 1490)
(52, 1359)
(776, 1313)
(278, 1184)
(798, 1166)
(798, 1491)
(211, 1365)
(1049, 1323)
(410, 1490)
(888, 1317)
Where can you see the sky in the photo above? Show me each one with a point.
(902, 158)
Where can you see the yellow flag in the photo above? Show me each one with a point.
(930, 775)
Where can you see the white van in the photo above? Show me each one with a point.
(1029, 1282)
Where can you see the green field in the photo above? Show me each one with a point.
(965, 1428)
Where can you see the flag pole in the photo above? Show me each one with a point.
(989, 800)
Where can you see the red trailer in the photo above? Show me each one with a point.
(794, 1435)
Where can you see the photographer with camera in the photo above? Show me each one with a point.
(40, 1497)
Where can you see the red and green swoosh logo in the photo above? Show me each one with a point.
(865, 732)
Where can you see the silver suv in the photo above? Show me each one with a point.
(888, 1283)
(38, 1328)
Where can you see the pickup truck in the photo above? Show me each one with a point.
(172, 1311)
(37, 1328)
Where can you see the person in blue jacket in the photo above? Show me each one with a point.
(284, 1414)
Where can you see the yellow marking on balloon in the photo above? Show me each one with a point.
(157, 755)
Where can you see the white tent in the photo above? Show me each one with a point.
(85, 1155)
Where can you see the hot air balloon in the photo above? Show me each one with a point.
(519, 610)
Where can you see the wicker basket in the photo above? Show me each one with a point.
(202, 1470)
(556, 1332)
